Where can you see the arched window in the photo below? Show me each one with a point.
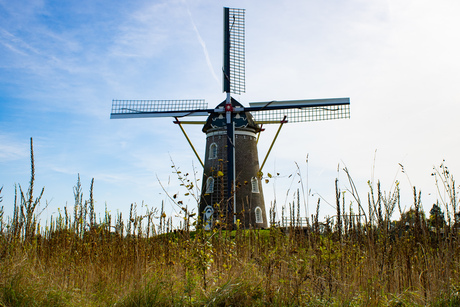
(213, 151)
(255, 185)
(208, 217)
(210, 185)
(258, 212)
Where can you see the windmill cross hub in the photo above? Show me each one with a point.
(231, 186)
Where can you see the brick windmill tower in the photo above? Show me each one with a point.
(231, 190)
(246, 197)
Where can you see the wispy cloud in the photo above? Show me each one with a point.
(11, 150)
(15, 44)
(203, 44)
(145, 32)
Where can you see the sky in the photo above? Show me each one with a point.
(62, 63)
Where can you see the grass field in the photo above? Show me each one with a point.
(356, 259)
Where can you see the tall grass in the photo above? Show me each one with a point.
(351, 259)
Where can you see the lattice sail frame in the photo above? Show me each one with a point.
(297, 111)
(158, 108)
(234, 51)
(307, 114)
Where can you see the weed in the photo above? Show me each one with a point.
(357, 257)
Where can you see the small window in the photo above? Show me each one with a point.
(255, 185)
(210, 185)
(258, 212)
(213, 151)
(208, 217)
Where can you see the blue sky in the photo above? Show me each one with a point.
(63, 62)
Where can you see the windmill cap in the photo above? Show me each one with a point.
(243, 120)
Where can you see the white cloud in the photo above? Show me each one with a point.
(11, 149)
(205, 49)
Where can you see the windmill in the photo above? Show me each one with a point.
(231, 187)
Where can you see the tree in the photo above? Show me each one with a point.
(409, 218)
(437, 219)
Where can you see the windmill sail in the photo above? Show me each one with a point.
(297, 111)
(234, 63)
(158, 108)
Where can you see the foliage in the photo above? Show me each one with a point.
(359, 259)
(437, 219)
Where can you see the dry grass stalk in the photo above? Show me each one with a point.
(351, 259)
